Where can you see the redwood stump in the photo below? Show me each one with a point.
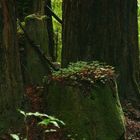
(36, 28)
(85, 97)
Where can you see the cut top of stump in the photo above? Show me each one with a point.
(85, 72)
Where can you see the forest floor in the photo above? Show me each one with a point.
(132, 117)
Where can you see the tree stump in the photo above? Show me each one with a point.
(36, 28)
(85, 97)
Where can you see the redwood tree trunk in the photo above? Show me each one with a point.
(27, 7)
(11, 87)
(50, 30)
(104, 31)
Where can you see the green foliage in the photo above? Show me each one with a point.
(34, 16)
(81, 73)
(19, 30)
(15, 136)
(57, 8)
(45, 120)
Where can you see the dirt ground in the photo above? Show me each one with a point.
(132, 117)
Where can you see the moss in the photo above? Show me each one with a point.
(19, 30)
(85, 74)
(35, 17)
(98, 116)
(36, 28)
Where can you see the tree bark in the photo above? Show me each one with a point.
(50, 30)
(36, 28)
(11, 86)
(28, 7)
(96, 115)
(104, 31)
(1, 26)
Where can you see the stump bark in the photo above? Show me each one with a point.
(91, 112)
(36, 28)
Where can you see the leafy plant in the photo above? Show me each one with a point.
(85, 75)
(45, 121)
(15, 136)
(57, 8)
(90, 72)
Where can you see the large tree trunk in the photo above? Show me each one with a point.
(28, 7)
(50, 30)
(105, 31)
(11, 87)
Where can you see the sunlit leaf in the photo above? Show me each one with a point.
(15, 136)
(44, 122)
(50, 130)
(55, 124)
(22, 112)
(36, 114)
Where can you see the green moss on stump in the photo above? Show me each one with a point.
(34, 17)
(96, 115)
(36, 28)
(85, 74)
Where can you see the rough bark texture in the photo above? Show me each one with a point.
(38, 6)
(28, 7)
(105, 31)
(1, 26)
(95, 116)
(50, 30)
(11, 87)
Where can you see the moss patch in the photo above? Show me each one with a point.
(97, 116)
(85, 71)
(85, 75)
(35, 17)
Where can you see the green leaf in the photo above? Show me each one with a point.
(15, 136)
(48, 121)
(50, 130)
(36, 114)
(55, 124)
(45, 122)
(22, 112)
(55, 119)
